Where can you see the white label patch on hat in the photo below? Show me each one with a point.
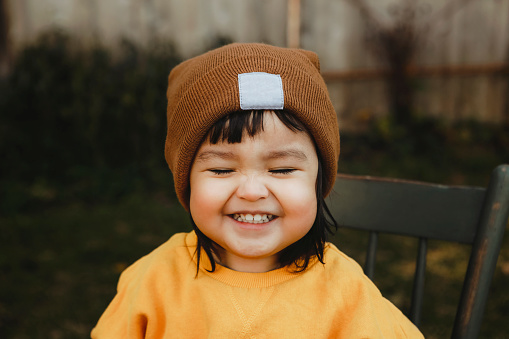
(260, 90)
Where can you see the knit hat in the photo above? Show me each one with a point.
(250, 76)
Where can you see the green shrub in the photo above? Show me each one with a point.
(72, 115)
(89, 124)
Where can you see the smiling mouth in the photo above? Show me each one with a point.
(253, 218)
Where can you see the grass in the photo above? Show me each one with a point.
(60, 265)
(60, 261)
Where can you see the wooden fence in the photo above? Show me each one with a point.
(460, 68)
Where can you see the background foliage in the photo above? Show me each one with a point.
(85, 190)
(82, 122)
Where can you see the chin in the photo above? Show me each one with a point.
(253, 251)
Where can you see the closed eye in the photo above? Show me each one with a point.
(220, 171)
(283, 170)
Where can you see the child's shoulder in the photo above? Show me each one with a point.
(348, 286)
(340, 262)
(176, 253)
(341, 270)
(179, 242)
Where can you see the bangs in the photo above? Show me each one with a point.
(232, 127)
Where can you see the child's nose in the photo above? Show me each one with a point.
(252, 189)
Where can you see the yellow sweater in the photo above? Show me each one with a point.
(160, 296)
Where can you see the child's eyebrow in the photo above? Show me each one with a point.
(288, 153)
(213, 154)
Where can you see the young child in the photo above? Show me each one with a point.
(253, 145)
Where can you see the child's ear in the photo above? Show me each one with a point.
(312, 56)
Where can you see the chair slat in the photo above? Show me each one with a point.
(369, 266)
(408, 208)
(483, 258)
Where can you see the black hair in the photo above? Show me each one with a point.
(231, 129)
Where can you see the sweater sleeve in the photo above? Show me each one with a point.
(137, 310)
(365, 312)
(122, 319)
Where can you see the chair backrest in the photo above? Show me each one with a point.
(470, 215)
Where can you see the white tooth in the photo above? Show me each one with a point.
(253, 219)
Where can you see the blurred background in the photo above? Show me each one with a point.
(420, 88)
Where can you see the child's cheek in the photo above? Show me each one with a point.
(207, 193)
(299, 199)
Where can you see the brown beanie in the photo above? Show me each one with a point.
(205, 88)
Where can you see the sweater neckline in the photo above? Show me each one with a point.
(236, 278)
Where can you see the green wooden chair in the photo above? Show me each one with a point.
(469, 215)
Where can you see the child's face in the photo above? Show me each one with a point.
(269, 178)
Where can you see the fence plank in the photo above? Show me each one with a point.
(476, 34)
